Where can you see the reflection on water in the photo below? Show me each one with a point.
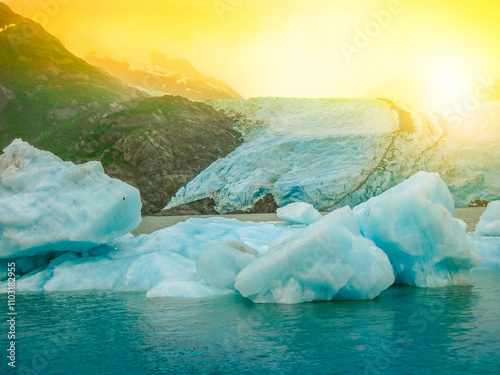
(405, 330)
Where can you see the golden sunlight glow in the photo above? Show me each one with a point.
(449, 83)
(422, 50)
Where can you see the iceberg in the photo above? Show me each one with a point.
(48, 205)
(488, 247)
(299, 212)
(139, 273)
(220, 262)
(489, 222)
(414, 224)
(190, 238)
(327, 260)
(486, 238)
(67, 228)
(169, 255)
(71, 272)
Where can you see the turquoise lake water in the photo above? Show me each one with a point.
(406, 330)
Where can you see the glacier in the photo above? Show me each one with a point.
(47, 205)
(414, 224)
(336, 152)
(329, 259)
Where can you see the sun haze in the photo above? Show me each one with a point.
(422, 50)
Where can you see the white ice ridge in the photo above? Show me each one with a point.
(328, 260)
(414, 224)
(48, 205)
(334, 152)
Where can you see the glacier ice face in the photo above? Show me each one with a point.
(49, 205)
(332, 152)
(220, 262)
(328, 152)
(327, 260)
(299, 212)
(413, 223)
(489, 222)
(468, 156)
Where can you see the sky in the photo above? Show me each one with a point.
(409, 49)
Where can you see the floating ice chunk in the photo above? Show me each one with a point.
(413, 223)
(299, 212)
(489, 222)
(220, 262)
(87, 273)
(148, 270)
(185, 289)
(139, 273)
(488, 247)
(49, 205)
(191, 237)
(327, 260)
(35, 281)
(140, 263)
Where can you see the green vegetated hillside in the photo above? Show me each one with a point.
(60, 103)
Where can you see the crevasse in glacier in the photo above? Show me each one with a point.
(414, 224)
(48, 205)
(327, 260)
(336, 152)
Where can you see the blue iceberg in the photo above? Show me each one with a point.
(48, 205)
(329, 259)
(414, 224)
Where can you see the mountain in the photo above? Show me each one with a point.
(60, 103)
(166, 76)
(45, 91)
